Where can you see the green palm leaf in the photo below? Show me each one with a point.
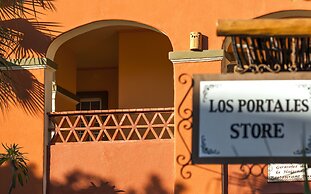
(18, 163)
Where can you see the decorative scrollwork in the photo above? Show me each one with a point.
(267, 53)
(206, 149)
(292, 68)
(258, 68)
(183, 161)
(206, 90)
(255, 170)
(185, 113)
(185, 123)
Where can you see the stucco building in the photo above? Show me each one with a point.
(109, 101)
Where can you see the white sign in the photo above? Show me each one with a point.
(287, 172)
(267, 120)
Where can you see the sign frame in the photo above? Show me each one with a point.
(197, 78)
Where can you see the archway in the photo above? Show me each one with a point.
(112, 64)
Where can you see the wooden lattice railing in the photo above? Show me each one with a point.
(269, 45)
(112, 125)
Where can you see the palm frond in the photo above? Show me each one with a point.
(15, 35)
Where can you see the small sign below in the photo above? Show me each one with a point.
(287, 172)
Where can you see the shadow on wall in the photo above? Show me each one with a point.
(21, 88)
(78, 182)
(23, 38)
(81, 183)
(32, 38)
(33, 186)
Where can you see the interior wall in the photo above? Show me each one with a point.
(66, 77)
(64, 103)
(103, 79)
(145, 72)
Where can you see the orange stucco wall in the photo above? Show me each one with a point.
(22, 122)
(176, 19)
(145, 73)
(132, 166)
(196, 178)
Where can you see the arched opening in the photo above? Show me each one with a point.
(228, 62)
(112, 64)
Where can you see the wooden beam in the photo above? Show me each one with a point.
(265, 27)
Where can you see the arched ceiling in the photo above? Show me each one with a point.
(97, 48)
(95, 45)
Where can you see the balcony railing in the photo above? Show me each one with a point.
(269, 45)
(112, 125)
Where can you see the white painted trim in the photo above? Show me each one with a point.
(48, 79)
(21, 67)
(54, 91)
(190, 60)
(28, 63)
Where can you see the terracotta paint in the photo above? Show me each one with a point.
(22, 122)
(174, 18)
(196, 178)
(134, 166)
(157, 27)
